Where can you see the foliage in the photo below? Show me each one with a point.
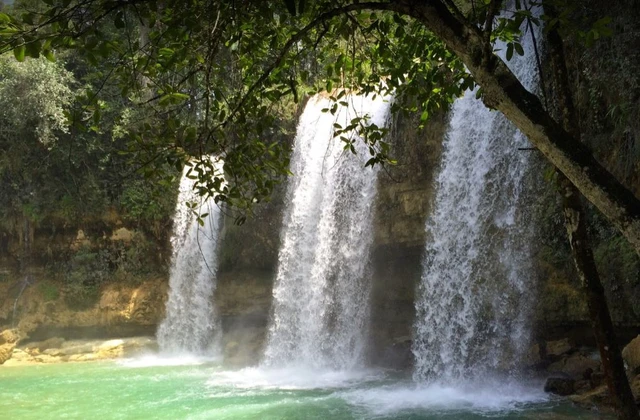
(86, 271)
(90, 267)
(215, 84)
(210, 77)
(134, 260)
(49, 290)
(44, 90)
(148, 204)
(616, 259)
(33, 98)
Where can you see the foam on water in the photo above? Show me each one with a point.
(108, 390)
(292, 378)
(478, 398)
(152, 360)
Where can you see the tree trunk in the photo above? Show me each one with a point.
(610, 354)
(503, 91)
(576, 225)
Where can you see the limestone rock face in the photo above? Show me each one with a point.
(8, 341)
(80, 350)
(558, 347)
(122, 310)
(631, 356)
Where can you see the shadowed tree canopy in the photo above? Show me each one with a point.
(205, 76)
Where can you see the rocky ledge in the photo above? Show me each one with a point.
(577, 372)
(56, 350)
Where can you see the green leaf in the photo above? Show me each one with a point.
(509, 51)
(49, 55)
(19, 52)
(518, 48)
(173, 99)
(34, 48)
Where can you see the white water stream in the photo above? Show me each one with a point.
(321, 292)
(191, 325)
(474, 297)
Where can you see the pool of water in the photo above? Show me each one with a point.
(153, 388)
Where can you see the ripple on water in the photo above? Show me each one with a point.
(205, 391)
(481, 398)
(154, 360)
(292, 378)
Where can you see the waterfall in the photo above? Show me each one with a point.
(321, 291)
(474, 296)
(191, 325)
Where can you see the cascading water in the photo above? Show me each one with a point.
(191, 325)
(321, 292)
(473, 298)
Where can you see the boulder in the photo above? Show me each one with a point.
(19, 357)
(8, 341)
(558, 347)
(576, 366)
(110, 349)
(45, 358)
(9, 336)
(51, 343)
(560, 385)
(74, 347)
(631, 356)
(5, 352)
(136, 345)
(597, 397)
(82, 350)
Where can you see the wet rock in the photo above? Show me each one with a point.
(558, 347)
(532, 356)
(631, 356)
(560, 386)
(598, 397)
(576, 366)
(89, 357)
(51, 343)
(82, 350)
(121, 307)
(109, 349)
(9, 336)
(242, 346)
(19, 357)
(8, 341)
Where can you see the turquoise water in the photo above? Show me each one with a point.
(159, 389)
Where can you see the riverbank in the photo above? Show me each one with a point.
(59, 350)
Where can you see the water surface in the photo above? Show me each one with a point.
(154, 388)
